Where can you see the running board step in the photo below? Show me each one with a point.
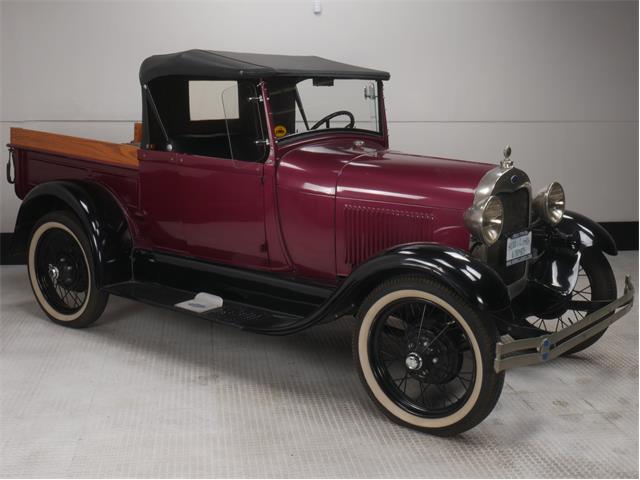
(231, 313)
(265, 290)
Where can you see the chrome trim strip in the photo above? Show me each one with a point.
(499, 180)
(518, 353)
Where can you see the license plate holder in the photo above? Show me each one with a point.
(518, 248)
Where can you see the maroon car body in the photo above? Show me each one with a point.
(290, 225)
(318, 207)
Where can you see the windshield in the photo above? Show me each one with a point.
(308, 105)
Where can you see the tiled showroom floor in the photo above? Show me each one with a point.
(148, 392)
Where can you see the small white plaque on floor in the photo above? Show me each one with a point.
(202, 302)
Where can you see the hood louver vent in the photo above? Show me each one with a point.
(370, 230)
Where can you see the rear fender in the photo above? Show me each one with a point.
(99, 213)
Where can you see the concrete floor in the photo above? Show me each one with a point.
(153, 393)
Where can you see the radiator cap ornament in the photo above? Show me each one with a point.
(506, 161)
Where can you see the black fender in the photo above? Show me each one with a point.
(473, 280)
(590, 233)
(103, 219)
(554, 275)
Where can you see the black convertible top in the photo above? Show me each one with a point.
(235, 66)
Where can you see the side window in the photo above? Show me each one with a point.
(212, 118)
(206, 100)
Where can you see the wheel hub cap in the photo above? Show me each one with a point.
(54, 273)
(413, 361)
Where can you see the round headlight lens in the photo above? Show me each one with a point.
(549, 203)
(492, 217)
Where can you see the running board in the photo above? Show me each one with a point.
(235, 314)
(262, 290)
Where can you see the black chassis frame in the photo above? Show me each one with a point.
(275, 304)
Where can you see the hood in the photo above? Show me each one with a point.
(336, 168)
(395, 177)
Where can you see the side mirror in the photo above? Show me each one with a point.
(370, 91)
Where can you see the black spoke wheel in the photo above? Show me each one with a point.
(422, 357)
(596, 282)
(61, 272)
(425, 356)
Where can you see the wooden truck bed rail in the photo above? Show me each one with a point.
(122, 155)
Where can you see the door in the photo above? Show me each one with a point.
(221, 167)
(223, 210)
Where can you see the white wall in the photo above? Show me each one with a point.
(556, 80)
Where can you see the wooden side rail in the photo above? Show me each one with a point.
(125, 155)
(137, 132)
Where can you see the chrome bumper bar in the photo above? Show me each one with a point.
(529, 351)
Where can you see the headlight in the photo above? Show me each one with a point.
(549, 203)
(484, 220)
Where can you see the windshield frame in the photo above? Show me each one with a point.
(380, 135)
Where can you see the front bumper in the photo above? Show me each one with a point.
(529, 351)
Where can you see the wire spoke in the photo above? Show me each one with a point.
(57, 251)
(581, 294)
(424, 358)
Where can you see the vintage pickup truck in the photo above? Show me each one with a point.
(261, 193)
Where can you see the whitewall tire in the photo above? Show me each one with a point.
(425, 356)
(61, 272)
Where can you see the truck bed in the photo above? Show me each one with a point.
(41, 157)
(120, 154)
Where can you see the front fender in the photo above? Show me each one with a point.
(481, 286)
(102, 218)
(473, 280)
(591, 233)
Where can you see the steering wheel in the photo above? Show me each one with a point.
(352, 120)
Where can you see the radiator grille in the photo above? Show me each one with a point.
(516, 211)
(370, 230)
(516, 219)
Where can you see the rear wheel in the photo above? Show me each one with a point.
(425, 357)
(61, 273)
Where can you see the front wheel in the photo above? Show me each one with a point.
(61, 271)
(425, 356)
(596, 282)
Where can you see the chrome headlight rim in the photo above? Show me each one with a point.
(485, 220)
(549, 204)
